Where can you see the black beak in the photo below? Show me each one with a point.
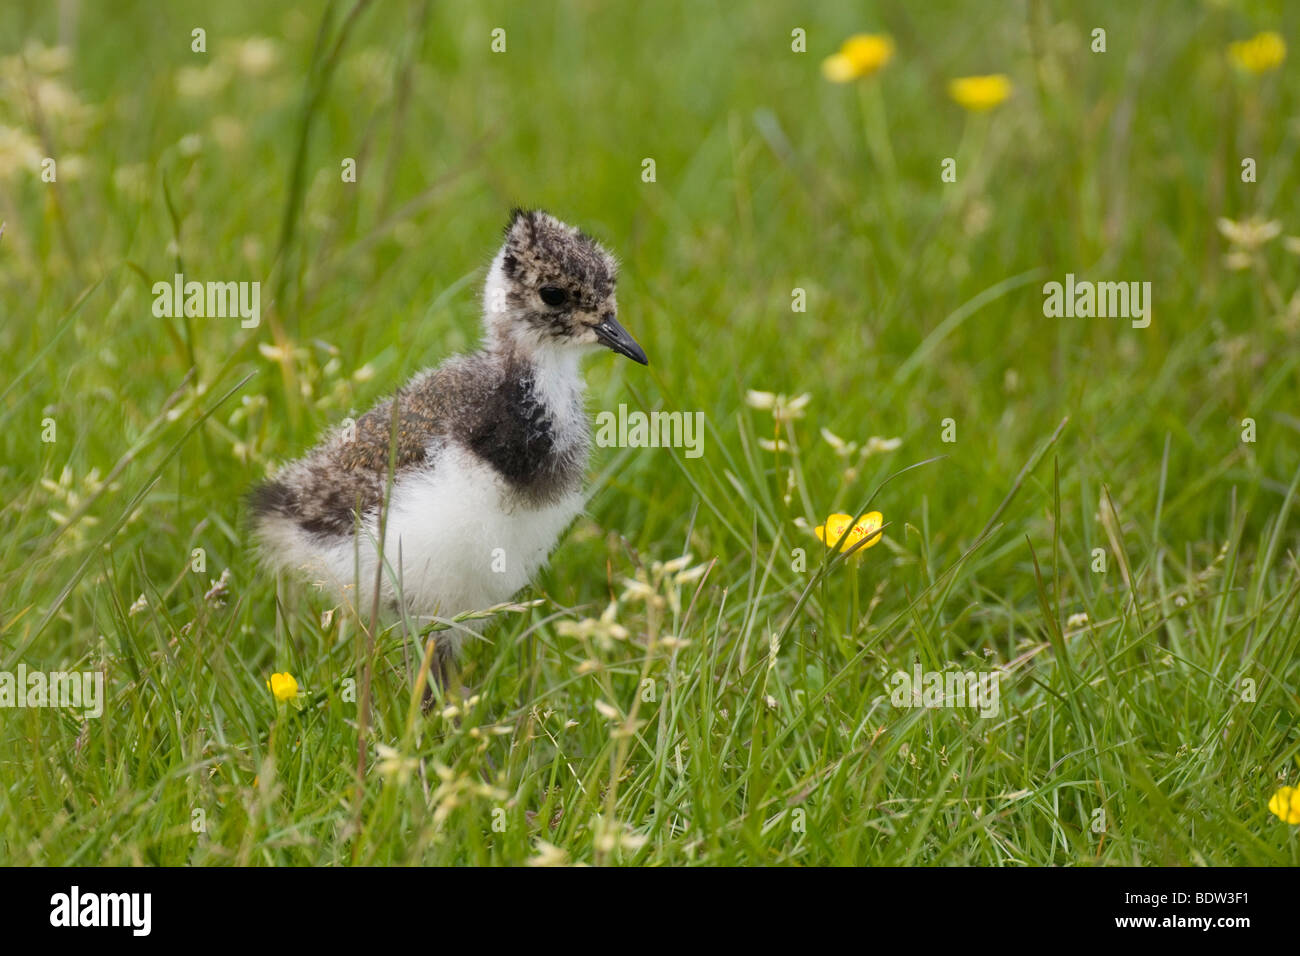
(614, 336)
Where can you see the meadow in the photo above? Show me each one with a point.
(844, 275)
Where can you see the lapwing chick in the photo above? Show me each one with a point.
(487, 452)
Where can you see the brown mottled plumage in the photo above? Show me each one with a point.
(487, 451)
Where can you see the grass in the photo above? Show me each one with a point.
(743, 714)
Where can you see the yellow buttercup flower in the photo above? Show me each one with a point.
(868, 52)
(837, 524)
(1286, 804)
(979, 94)
(863, 54)
(1260, 54)
(283, 686)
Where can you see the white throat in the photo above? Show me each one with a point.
(558, 382)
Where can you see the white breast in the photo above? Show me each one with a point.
(456, 540)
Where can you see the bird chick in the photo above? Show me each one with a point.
(487, 452)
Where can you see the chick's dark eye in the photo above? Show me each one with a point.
(551, 295)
